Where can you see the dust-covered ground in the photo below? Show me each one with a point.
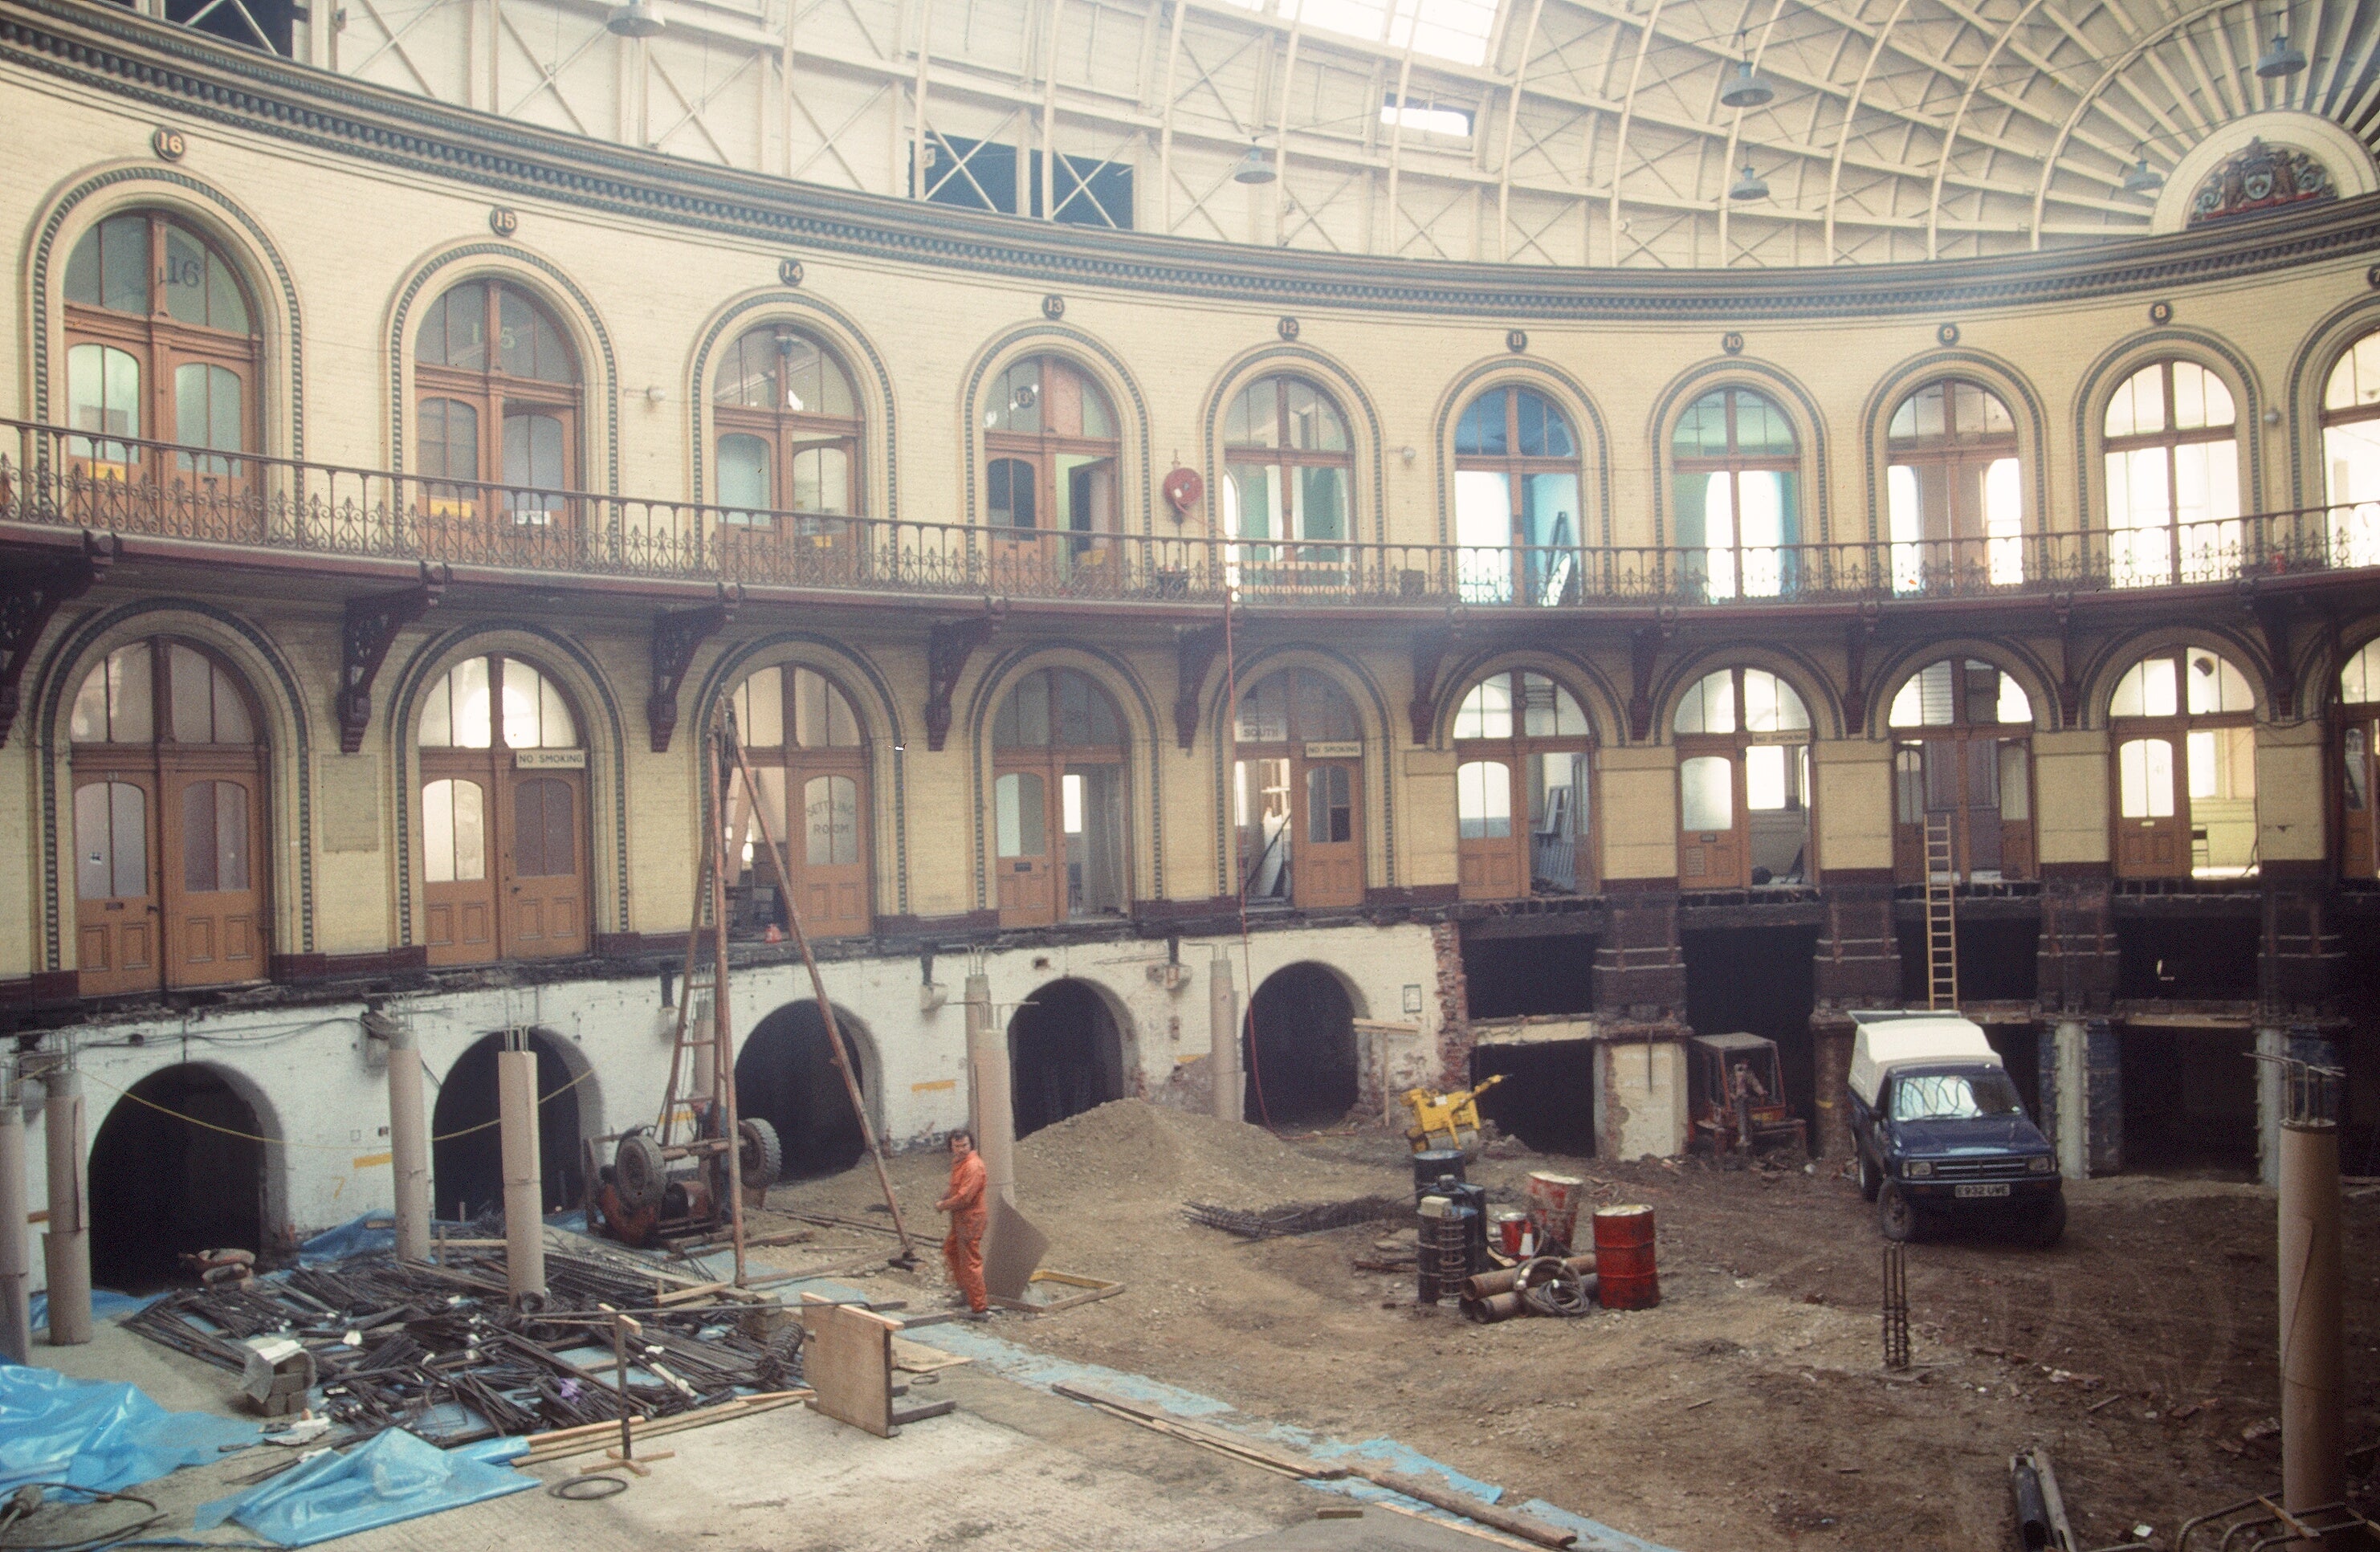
(1751, 1409)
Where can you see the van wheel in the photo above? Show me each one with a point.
(2050, 1227)
(1870, 1181)
(1896, 1215)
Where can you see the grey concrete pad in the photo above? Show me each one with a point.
(1379, 1530)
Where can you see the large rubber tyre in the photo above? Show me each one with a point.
(2050, 1226)
(639, 1173)
(1896, 1215)
(760, 1157)
(1871, 1179)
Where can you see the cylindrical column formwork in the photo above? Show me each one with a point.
(16, 1256)
(66, 1249)
(1224, 1030)
(2313, 1415)
(524, 1190)
(409, 1146)
(995, 1107)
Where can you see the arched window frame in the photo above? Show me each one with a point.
(1972, 766)
(2351, 454)
(1084, 879)
(164, 350)
(1070, 539)
(835, 897)
(2149, 845)
(525, 913)
(1550, 845)
(191, 925)
(2151, 541)
(788, 434)
(1732, 857)
(1955, 497)
(1294, 547)
(492, 484)
(1737, 568)
(2355, 717)
(1283, 776)
(1535, 557)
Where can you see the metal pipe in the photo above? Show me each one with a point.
(524, 1190)
(16, 1259)
(995, 1105)
(1223, 1032)
(66, 1249)
(408, 1144)
(2314, 1416)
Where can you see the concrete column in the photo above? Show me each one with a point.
(408, 1144)
(16, 1256)
(524, 1187)
(1223, 1036)
(2103, 1076)
(2069, 1081)
(2272, 1103)
(994, 1106)
(2313, 1403)
(66, 1249)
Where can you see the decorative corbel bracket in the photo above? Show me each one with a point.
(1196, 647)
(949, 645)
(2273, 621)
(2070, 689)
(675, 636)
(30, 595)
(1430, 649)
(1855, 640)
(1644, 657)
(374, 621)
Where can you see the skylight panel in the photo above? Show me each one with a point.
(1450, 29)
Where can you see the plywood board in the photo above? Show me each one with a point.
(917, 1358)
(848, 1361)
(1012, 1249)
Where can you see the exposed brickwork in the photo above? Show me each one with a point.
(1453, 1005)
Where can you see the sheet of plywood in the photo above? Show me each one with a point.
(848, 1361)
(1012, 1251)
(917, 1358)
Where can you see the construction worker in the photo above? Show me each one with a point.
(963, 1249)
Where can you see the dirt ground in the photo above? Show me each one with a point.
(1751, 1409)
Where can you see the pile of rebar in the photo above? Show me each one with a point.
(439, 1349)
(1298, 1217)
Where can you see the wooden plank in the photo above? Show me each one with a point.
(917, 1358)
(1439, 1494)
(1257, 1451)
(607, 1435)
(849, 1362)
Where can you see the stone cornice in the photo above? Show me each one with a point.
(174, 69)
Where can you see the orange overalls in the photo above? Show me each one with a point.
(963, 1250)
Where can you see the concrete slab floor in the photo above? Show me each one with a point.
(1011, 1468)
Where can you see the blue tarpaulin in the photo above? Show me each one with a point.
(99, 1436)
(106, 1303)
(393, 1477)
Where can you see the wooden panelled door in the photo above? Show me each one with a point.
(169, 805)
(459, 898)
(1330, 853)
(1029, 883)
(2152, 830)
(2357, 858)
(544, 904)
(1489, 865)
(1710, 824)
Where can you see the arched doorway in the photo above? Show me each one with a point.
(160, 1185)
(1065, 1055)
(466, 1155)
(1300, 1047)
(787, 1076)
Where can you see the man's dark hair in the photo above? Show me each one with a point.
(958, 1133)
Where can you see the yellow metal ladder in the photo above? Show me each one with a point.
(1941, 913)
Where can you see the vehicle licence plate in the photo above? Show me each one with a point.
(2000, 1189)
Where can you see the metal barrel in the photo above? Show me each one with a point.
(1431, 1165)
(1623, 1257)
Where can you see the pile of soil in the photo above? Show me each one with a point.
(1146, 1159)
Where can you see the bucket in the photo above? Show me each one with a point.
(1429, 1166)
(1509, 1228)
(1553, 1207)
(1623, 1257)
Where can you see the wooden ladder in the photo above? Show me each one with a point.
(1941, 913)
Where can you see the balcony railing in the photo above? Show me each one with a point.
(53, 476)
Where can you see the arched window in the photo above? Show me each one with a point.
(1956, 497)
(2184, 726)
(1521, 789)
(1058, 801)
(1298, 792)
(786, 429)
(169, 799)
(1743, 781)
(2351, 454)
(2173, 478)
(1288, 474)
(2358, 716)
(1516, 511)
(1050, 456)
(1739, 483)
(802, 737)
(1960, 745)
(504, 814)
(161, 344)
(496, 393)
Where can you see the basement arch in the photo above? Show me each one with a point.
(1299, 1048)
(466, 1155)
(1066, 1054)
(786, 1076)
(160, 1185)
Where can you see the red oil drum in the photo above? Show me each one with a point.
(1507, 1227)
(1623, 1257)
(1553, 1208)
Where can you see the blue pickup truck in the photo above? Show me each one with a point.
(1941, 1134)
